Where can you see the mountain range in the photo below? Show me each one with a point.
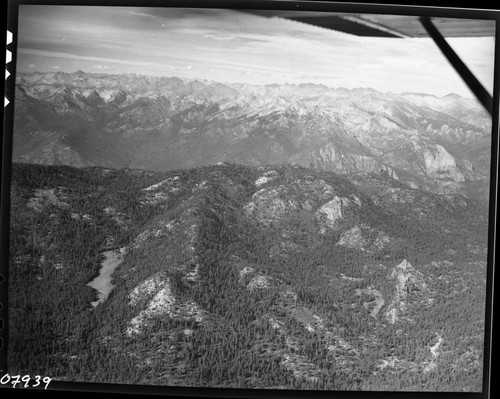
(441, 145)
(190, 233)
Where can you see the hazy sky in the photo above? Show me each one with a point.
(231, 46)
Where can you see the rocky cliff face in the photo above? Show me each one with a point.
(437, 144)
(410, 289)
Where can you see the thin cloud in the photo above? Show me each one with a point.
(42, 53)
(232, 46)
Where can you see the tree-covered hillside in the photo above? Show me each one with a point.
(246, 277)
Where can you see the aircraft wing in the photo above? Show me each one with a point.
(404, 26)
(381, 25)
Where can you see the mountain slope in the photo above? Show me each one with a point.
(253, 277)
(441, 145)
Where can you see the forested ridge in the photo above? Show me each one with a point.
(246, 277)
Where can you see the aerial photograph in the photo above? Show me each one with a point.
(220, 198)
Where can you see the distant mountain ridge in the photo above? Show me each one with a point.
(80, 119)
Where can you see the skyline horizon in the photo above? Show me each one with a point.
(208, 80)
(233, 46)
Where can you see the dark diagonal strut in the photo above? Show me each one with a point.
(476, 87)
